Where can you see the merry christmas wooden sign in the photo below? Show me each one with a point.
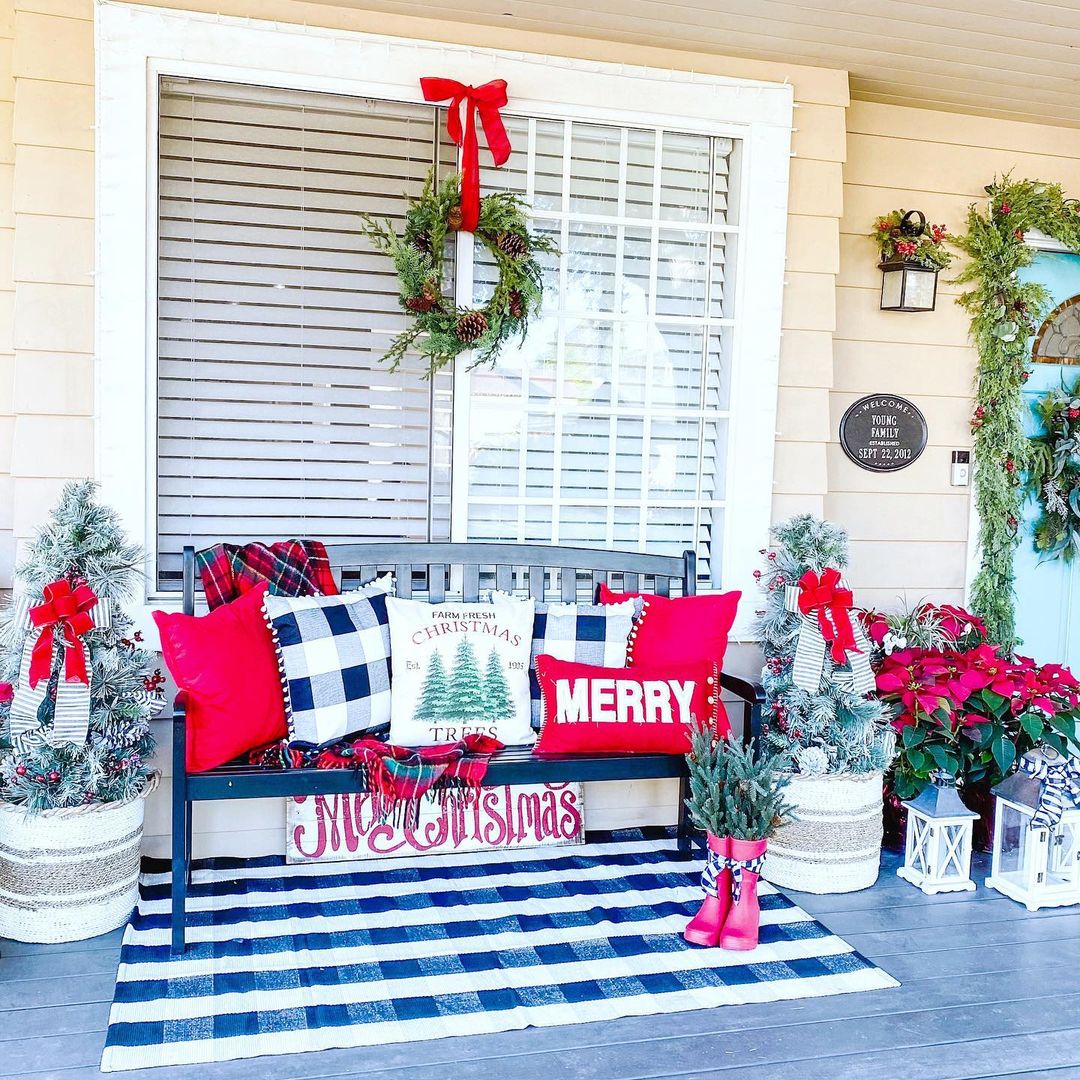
(345, 826)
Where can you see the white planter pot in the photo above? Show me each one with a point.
(69, 874)
(833, 842)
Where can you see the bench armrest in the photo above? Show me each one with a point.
(752, 696)
(179, 739)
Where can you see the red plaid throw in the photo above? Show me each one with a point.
(398, 777)
(292, 567)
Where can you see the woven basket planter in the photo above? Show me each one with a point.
(69, 874)
(833, 842)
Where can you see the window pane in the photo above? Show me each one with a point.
(622, 386)
(276, 416)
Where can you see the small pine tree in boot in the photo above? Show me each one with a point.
(704, 928)
(735, 797)
(744, 916)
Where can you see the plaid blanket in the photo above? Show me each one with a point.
(292, 567)
(398, 777)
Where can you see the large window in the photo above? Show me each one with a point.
(242, 316)
(275, 415)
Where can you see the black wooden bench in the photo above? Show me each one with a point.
(435, 571)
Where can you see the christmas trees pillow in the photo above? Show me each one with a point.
(461, 669)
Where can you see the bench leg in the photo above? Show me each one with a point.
(685, 829)
(180, 871)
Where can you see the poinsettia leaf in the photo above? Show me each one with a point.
(1004, 753)
(940, 756)
(1033, 725)
(913, 735)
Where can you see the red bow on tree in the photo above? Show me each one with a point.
(67, 610)
(487, 100)
(822, 596)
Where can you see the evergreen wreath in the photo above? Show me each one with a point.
(442, 330)
(1054, 474)
(1005, 311)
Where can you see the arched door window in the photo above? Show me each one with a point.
(1058, 340)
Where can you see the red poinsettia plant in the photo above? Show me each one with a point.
(971, 712)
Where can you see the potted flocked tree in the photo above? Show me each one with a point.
(821, 712)
(75, 707)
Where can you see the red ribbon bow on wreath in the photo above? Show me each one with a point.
(822, 596)
(487, 100)
(67, 610)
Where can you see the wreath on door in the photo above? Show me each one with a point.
(1054, 474)
(441, 330)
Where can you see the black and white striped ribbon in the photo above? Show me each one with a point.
(1060, 787)
(812, 655)
(71, 714)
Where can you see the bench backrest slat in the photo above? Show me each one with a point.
(475, 568)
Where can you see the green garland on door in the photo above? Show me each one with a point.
(1004, 312)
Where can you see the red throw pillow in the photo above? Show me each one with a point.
(680, 630)
(638, 710)
(226, 663)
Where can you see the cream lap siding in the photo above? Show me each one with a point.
(7, 288)
(909, 530)
(52, 261)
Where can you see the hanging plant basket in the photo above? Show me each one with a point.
(71, 873)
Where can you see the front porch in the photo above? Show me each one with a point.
(988, 990)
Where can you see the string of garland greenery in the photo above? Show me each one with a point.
(1004, 312)
(441, 330)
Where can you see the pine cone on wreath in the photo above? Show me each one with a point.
(454, 219)
(517, 305)
(422, 242)
(513, 244)
(471, 327)
(428, 298)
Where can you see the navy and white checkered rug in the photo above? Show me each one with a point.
(283, 959)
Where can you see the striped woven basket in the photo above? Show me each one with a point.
(70, 874)
(833, 842)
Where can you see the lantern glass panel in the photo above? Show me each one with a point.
(919, 288)
(1014, 840)
(892, 288)
(1064, 858)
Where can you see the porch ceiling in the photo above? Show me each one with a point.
(1014, 59)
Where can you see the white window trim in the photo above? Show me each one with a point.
(136, 45)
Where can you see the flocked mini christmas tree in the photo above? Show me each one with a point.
(831, 729)
(82, 551)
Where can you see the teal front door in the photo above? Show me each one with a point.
(1048, 592)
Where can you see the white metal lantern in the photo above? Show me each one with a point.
(937, 853)
(1034, 863)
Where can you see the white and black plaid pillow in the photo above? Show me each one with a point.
(334, 659)
(594, 634)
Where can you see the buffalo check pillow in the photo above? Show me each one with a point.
(334, 659)
(595, 634)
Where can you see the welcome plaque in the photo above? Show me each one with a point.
(883, 433)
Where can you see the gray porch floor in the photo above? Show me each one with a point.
(989, 990)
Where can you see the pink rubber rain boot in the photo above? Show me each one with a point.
(704, 928)
(740, 931)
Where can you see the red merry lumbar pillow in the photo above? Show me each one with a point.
(680, 630)
(637, 710)
(225, 661)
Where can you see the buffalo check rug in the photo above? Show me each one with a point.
(283, 959)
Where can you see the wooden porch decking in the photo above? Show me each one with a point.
(989, 990)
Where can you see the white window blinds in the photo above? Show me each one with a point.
(607, 427)
(276, 417)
